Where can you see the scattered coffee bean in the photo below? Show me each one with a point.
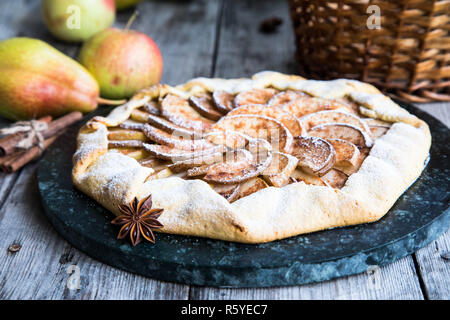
(270, 25)
(14, 247)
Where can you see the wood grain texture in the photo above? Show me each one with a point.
(197, 38)
(395, 281)
(39, 269)
(434, 268)
(243, 50)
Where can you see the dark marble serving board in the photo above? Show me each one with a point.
(419, 216)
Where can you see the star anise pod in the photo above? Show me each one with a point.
(138, 219)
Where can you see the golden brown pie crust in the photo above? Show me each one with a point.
(193, 208)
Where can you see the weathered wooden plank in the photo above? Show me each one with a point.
(39, 269)
(395, 281)
(434, 268)
(243, 50)
(439, 110)
(185, 33)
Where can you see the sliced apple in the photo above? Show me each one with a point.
(335, 178)
(125, 144)
(307, 177)
(254, 96)
(378, 131)
(170, 127)
(347, 153)
(229, 192)
(178, 111)
(258, 127)
(332, 116)
(342, 131)
(204, 105)
(169, 153)
(307, 105)
(280, 169)
(286, 118)
(315, 155)
(177, 141)
(251, 186)
(223, 101)
(152, 107)
(285, 97)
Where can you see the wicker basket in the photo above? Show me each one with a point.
(408, 56)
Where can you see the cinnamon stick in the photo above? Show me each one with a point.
(14, 162)
(9, 142)
(8, 146)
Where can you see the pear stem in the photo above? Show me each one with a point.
(110, 102)
(131, 20)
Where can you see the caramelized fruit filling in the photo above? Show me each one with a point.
(240, 144)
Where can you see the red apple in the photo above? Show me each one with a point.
(122, 61)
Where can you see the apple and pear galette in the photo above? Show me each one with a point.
(251, 160)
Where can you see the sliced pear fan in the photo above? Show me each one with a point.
(376, 122)
(251, 186)
(201, 160)
(258, 127)
(282, 98)
(125, 134)
(231, 139)
(169, 127)
(229, 192)
(204, 106)
(335, 178)
(174, 141)
(125, 144)
(332, 116)
(223, 101)
(280, 169)
(173, 154)
(348, 170)
(307, 105)
(315, 155)
(237, 167)
(342, 131)
(300, 175)
(347, 153)
(152, 107)
(286, 118)
(378, 131)
(178, 111)
(254, 96)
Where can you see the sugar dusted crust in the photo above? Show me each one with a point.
(193, 208)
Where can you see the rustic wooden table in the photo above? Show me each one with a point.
(197, 38)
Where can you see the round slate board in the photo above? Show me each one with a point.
(418, 217)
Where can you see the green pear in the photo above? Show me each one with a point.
(78, 20)
(125, 4)
(37, 80)
(122, 61)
